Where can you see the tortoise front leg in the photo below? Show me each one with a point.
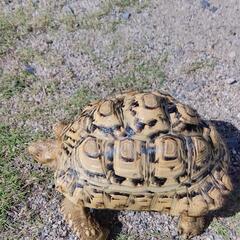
(190, 226)
(80, 221)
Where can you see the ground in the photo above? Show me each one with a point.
(55, 56)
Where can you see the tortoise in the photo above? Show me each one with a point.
(139, 150)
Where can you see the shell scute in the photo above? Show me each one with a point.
(127, 159)
(89, 155)
(145, 114)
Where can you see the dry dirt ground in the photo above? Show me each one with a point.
(55, 56)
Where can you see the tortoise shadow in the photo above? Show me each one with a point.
(109, 220)
(231, 135)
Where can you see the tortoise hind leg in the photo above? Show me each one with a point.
(80, 221)
(190, 226)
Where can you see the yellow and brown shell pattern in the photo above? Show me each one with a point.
(143, 151)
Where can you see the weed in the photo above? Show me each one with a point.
(52, 87)
(70, 22)
(13, 83)
(220, 229)
(81, 97)
(236, 219)
(195, 66)
(122, 4)
(27, 54)
(94, 20)
(90, 52)
(114, 24)
(7, 37)
(12, 142)
(139, 77)
(123, 236)
(43, 22)
(158, 235)
(18, 23)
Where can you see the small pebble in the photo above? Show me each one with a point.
(205, 4)
(30, 69)
(234, 152)
(49, 41)
(213, 9)
(209, 238)
(231, 81)
(192, 86)
(125, 15)
(232, 54)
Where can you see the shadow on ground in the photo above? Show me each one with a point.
(109, 219)
(231, 135)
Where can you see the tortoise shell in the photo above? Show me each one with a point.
(143, 151)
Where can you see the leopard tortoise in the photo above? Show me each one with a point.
(137, 151)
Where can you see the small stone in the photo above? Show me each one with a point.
(215, 114)
(238, 115)
(213, 9)
(49, 41)
(205, 4)
(54, 226)
(232, 54)
(125, 15)
(63, 233)
(217, 237)
(231, 81)
(209, 238)
(30, 69)
(234, 152)
(191, 87)
(50, 186)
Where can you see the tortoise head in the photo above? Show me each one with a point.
(46, 152)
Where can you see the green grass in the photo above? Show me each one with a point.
(123, 236)
(14, 83)
(97, 60)
(12, 28)
(236, 220)
(7, 37)
(113, 25)
(139, 77)
(220, 229)
(93, 20)
(198, 65)
(158, 235)
(12, 143)
(14, 185)
(76, 103)
(27, 54)
(43, 22)
(130, 3)
(15, 25)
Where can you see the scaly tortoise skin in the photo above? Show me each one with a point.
(137, 151)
